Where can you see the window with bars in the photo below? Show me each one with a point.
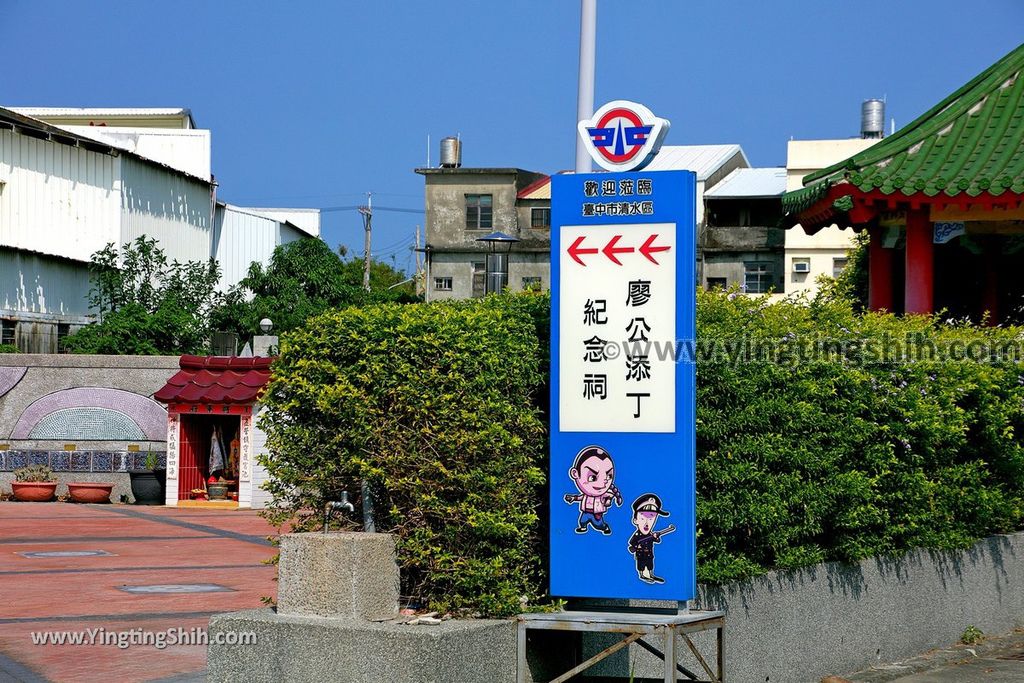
(479, 211)
(443, 284)
(7, 329)
(757, 278)
(479, 279)
(63, 331)
(838, 266)
(540, 218)
(532, 284)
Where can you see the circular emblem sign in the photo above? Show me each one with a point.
(623, 136)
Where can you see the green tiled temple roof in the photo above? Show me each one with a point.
(970, 143)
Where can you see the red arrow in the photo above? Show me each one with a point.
(647, 249)
(610, 250)
(575, 250)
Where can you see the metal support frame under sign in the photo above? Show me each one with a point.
(669, 629)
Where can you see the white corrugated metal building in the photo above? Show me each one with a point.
(241, 236)
(65, 195)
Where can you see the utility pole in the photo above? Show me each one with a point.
(367, 212)
(416, 287)
(585, 91)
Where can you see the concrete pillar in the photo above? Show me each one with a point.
(346, 575)
(919, 288)
(880, 294)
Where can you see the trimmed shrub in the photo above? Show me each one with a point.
(822, 434)
(435, 406)
(838, 447)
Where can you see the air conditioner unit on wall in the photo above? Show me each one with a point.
(801, 266)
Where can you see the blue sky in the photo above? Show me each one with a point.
(317, 103)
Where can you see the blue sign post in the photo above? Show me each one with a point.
(623, 260)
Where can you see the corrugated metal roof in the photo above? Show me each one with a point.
(539, 189)
(9, 116)
(750, 183)
(103, 112)
(701, 159)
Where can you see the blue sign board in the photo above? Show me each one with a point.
(623, 260)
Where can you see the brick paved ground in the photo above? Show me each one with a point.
(147, 546)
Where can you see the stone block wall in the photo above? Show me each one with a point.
(82, 416)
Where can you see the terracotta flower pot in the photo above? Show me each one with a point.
(90, 491)
(33, 491)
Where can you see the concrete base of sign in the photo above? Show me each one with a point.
(338, 575)
(314, 649)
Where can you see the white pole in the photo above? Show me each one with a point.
(585, 94)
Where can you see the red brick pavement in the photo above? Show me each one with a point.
(148, 545)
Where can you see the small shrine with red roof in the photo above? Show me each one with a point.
(212, 440)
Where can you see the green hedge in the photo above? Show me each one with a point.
(853, 453)
(841, 455)
(435, 405)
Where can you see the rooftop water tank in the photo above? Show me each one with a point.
(872, 119)
(451, 152)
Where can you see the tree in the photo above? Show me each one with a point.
(852, 284)
(304, 278)
(145, 304)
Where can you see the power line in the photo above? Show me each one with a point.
(357, 207)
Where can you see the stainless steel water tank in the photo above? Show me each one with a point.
(451, 152)
(872, 119)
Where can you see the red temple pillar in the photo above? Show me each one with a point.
(990, 295)
(880, 294)
(918, 296)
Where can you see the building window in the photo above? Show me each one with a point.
(532, 284)
(7, 331)
(63, 331)
(838, 266)
(478, 211)
(757, 278)
(540, 218)
(717, 283)
(443, 284)
(479, 279)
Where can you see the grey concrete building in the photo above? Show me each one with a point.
(464, 204)
(742, 243)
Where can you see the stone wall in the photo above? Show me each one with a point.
(81, 414)
(834, 618)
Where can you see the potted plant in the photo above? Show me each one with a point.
(148, 483)
(90, 491)
(34, 483)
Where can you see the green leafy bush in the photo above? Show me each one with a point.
(837, 454)
(8, 348)
(305, 278)
(147, 305)
(849, 454)
(436, 406)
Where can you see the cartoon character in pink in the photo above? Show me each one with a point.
(593, 472)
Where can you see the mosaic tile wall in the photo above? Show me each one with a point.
(98, 424)
(77, 461)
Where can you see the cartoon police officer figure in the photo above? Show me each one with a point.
(593, 472)
(646, 510)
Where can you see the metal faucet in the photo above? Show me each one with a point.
(333, 505)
